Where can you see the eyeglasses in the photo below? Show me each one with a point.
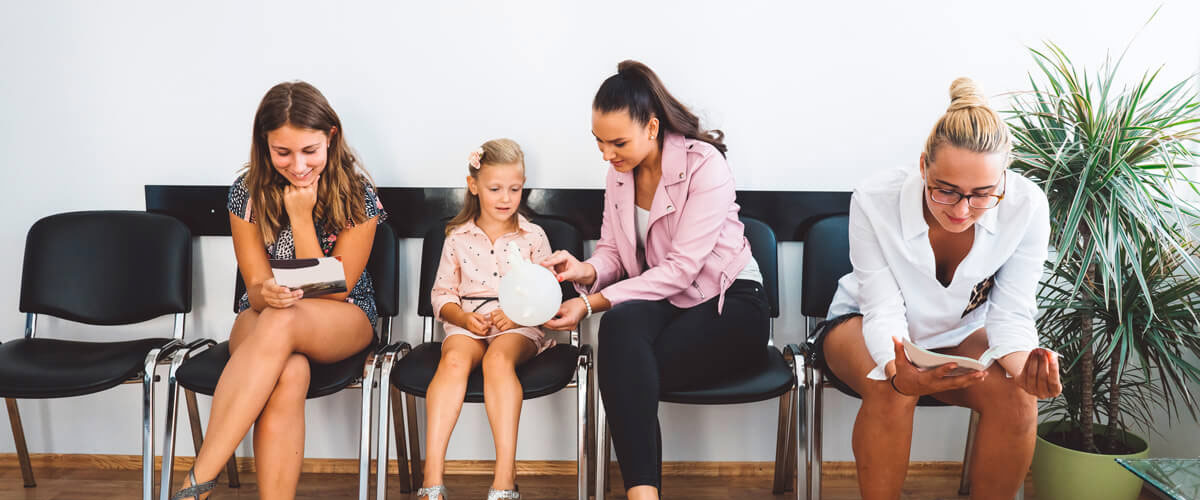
(980, 201)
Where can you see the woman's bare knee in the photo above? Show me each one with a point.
(1001, 398)
(277, 327)
(243, 327)
(296, 374)
(879, 398)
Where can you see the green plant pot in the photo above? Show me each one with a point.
(1065, 474)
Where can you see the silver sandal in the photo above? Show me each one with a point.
(513, 494)
(196, 489)
(433, 492)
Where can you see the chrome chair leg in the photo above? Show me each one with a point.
(581, 426)
(166, 475)
(815, 402)
(18, 432)
(594, 394)
(805, 482)
(782, 447)
(602, 452)
(381, 448)
(148, 424)
(364, 427)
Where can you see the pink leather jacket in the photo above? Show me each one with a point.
(695, 246)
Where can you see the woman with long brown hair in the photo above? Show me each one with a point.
(302, 195)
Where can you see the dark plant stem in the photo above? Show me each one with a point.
(1087, 364)
(1116, 367)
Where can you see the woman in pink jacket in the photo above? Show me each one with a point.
(685, 301)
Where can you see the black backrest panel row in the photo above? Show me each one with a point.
(415, 210)
(815, 217)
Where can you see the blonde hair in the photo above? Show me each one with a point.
(495, 152)
(968, 123)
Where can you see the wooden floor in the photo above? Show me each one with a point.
(73, 484)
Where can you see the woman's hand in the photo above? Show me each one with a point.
(913, 381)
(477, 323)
(570, 313)
(501, 321)
(567, 268)
(299, 201)
(1040, 378)
(279, 296)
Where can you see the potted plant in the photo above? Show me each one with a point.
(1119, 299)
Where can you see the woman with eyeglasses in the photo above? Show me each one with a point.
(949, 257)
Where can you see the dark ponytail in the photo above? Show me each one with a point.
(636, 89)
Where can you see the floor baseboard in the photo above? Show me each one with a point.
(466, 467)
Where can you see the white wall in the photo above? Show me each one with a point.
(98, 99)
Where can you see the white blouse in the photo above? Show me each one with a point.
(894, 282)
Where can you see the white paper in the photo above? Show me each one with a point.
(315, 276)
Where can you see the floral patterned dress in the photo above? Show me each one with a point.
(284, 247)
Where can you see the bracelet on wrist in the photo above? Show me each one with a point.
(586, 303)
(897, 389)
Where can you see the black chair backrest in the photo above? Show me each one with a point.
(766, 253)
(562, 236)
(826, 260)
(384, 266)
(107, 267)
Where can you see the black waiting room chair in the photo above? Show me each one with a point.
(827, 259)
(776, 379)
(198, 371)
(99, 268)
(559, 367)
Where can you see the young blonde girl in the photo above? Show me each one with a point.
(474, 258)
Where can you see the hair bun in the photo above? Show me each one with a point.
(965, 94)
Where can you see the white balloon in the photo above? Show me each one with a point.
(529, 294)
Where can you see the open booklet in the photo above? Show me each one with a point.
(927, 359)
(315, 276)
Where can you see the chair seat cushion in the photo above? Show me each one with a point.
(546, 373)
(201, 372)
(772, 380)
(53, 368)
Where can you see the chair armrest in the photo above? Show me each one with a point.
(797, 357)
(585, 355)
(167, 350)
(200, 343)
(187, 350)
(393, 347)
(387, 355)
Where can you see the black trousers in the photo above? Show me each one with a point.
(647, 347)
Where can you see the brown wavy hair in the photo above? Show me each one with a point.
(495, 152)
(341, 200)
(636, 89)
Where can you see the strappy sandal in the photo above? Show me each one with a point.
(513, 494)
(196, 489)
(433, 492)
